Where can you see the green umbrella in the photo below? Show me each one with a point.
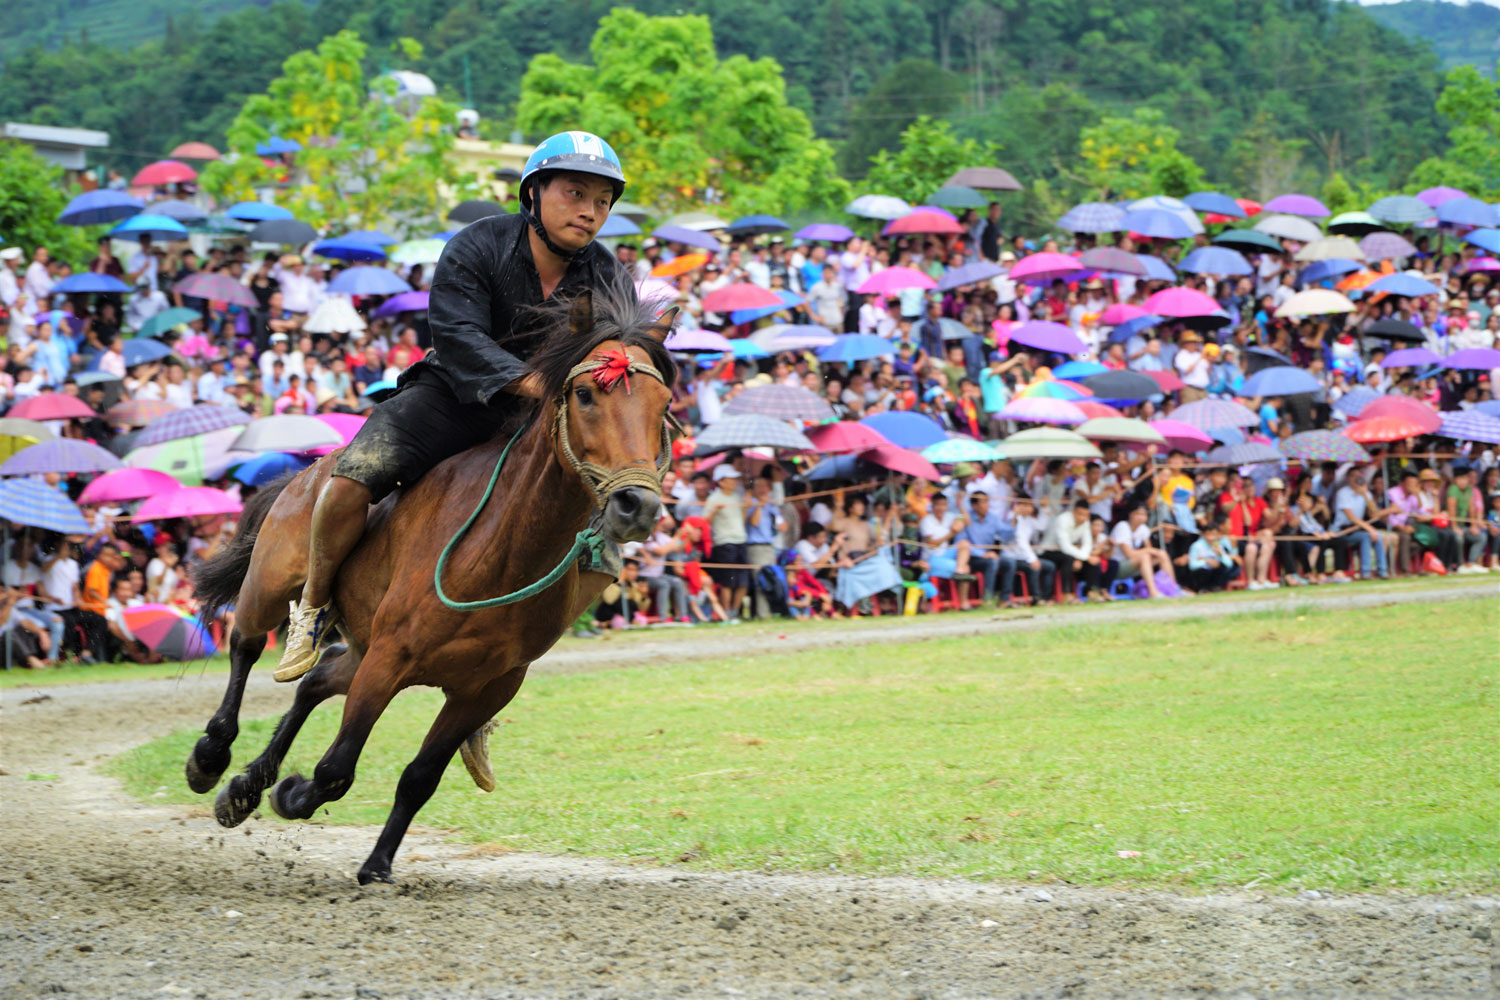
(1247, 240)
(1354, 223)
(958, 196)
(165, 320)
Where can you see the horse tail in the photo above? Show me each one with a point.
(216, 583)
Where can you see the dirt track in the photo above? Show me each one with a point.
(101, 896)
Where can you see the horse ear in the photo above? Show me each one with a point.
(664, 324)
(581, 313)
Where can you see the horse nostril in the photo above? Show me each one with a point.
(626, 503)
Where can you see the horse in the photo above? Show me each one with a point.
(588, 454)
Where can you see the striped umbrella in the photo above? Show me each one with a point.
(1386, 246)
(1244, 453)
(190, 421)
(66, 456)
(1461, 425)
(1052, 388)
(780, 402)
(37, 505)
(138, 412)
(1092, 217)
(1355, 400)
(1401, 208)
(751, 430)
(1323, 446)
(1214, 414)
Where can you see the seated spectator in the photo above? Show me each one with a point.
(945, 554)
(1136, 555)
(1465, 512)
(1352, 509)
(986, 532)
(1247, 524)
(659, 556)
(1212, 561)
(806, 594)
(1068, 545)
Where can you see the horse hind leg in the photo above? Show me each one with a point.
(241, 796)
(210, 757)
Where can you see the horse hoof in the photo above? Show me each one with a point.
(203, 772)
(282, 787)
(233, 806)
(369, 874)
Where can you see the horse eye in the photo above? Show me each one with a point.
(583, 395)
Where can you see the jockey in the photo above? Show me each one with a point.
(484, 327)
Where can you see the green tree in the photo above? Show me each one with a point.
(31, 198)
(910, 89)
(1136, 156)
(929, 154)
(1472, 103)
(366, 160)
(689, 126)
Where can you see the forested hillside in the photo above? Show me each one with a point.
(1304, 85)
(1459, 34)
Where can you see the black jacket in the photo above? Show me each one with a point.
(483, 329)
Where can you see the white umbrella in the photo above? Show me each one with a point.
(335, 314)
(287, 432)
(1330, 248)
(1289, 227)
(701, 221)
(1315, 302)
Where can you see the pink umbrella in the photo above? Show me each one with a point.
(189, 501)
(120, 485)
(694, 340)
(1040, 267)
(51, 406)
(1179, 302)
(1182, 436)
(844, 436)
(888, 456)
(164, 172)
(1042, 410)
(741, 295)
(1093, 410)
(1119, 313)
(1413, 410)
(346, 425)
(1167, 381)
(895, 279)
(922, 222)
(1479, 264)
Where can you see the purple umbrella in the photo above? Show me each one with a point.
(829, 232)
(1410, 357)
(1461, 425)
(1435, 196)
(1352, 402)
(64, 455)
(191, 421)
(368, 280)
(1297, 204)
(1468, 212)
(697, 341)
(1113, 259)
(1042, 410)
(1323, 446)
(1386, 246)
(1092, 217)
(404, 302)
(688, 237)
(969, 274)
(781, 402)
(1215, 260)
(1047, 336)
(1215, 414)
(216, 288)
(1157, 223)
(1476, 358)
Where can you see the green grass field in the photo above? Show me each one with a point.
(1347, 750)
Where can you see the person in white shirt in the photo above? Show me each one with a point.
(142, 264)
(299, 291)
(1019, 555)
(945, 556)
(1069, 546)
(1192, 366)
(145, 303)
(210, 387)
(178, 392)
(10, 287)
(39, 279)
(1135, 553)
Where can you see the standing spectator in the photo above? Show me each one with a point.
(725, 514)
(762, 523)
(1465, 511)
(826, 299)
(39, 279)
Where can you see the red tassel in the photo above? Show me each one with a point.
(614, 366)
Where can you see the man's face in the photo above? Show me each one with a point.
(1137, 517)
(701, 487)
(41, 256)
(980, 504)
(573, 207)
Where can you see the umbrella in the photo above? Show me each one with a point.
(158, 227)
(1372, 430)
(1355, 400)
(634, 213)
(1092, 217)
(1166, 381)
(367, 280)
(1486, 239)
(1122, 385)
(166, 320)
(1156, 268)
(615, 227)
(985, 179)
(1213, 201)
(33, 503)
(185, 459)
(287, 432)
(844, 436)
(1180, 302)
(1330, 248)
(1047, 336)
(852, 347)
(51, 406)
(1435, 196)
(878, 206)
(1112, 259)
(1320, 270)
(906, 429)
(680, 265)
(697, 341)
(1289, 227)
(1244, 453)
(1468, 212)
(1355, 223)
(15, 431)
(124, 484)
(100, 207)
(959, 449)
(1403, 406)
(1055, 388)
(403, 302)
(1248, 241)
(1481, 264)
(342, 248)
(1471, 425)
(747, 350)
(1159, 224)
(276, 146)
(922, 221)
(377, 237)
(750, 430)
(287, 232)
(1164, 203)
(1215, 260)
(756, 225)
(257, 211)
(969, 274)
(1401, 208)
(1044, 267)
(900, 460)
(1474, 358)
(268, 467)
(66, 456)
(952, 329)
(701, 221)
(1322, 446)
(474, 210)
(1078, 369)
(793, 337)
(1410, 357)
(138, 412)
(163, 172)
(427, 251)
(1298, 204)
(216, 288)
(1119, 312)
(1093, 409)
(1042, 410)
(190, 421)
(1315, 302)
(1121, 429)
(168, 632)
(789, 300)
(143, 351)
(1395, 329)
(1131, 327)
(895, 279)
(1047, 442)
(87, 282)
(1215, 414)
(189, 501)
(336, 314)
(828, 232)
(1279, 380)
(958, 196)
(687, 237)
(782, 402)
(740, 295)
(195, 151)
(1182, 436)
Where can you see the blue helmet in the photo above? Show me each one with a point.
(581, 152)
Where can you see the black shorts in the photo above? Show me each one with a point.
(417, 428)
(730, 552)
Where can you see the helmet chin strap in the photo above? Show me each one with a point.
(534, 219)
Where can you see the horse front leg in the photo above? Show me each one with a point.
(210, 756)
(458, 718)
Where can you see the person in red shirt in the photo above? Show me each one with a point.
(1247, 515)
(406, 352)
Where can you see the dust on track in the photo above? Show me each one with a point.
(104, 896)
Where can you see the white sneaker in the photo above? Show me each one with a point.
(304, 635)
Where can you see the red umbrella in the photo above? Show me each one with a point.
(922, 222)
(1246, 205)
(845, 435)
(1413, 410)
(896, 459)
(195, 151)
(1378, 429)
(164, 172)
(51, 406)
(741, 295)
(1168, 381)
(1095, 410)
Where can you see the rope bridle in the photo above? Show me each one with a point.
(610, 369)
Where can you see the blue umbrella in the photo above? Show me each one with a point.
(366, 280)
(1408, 285)
(1333, 267)
(276, 145)
(1092, 217)
(339, 248)
(688, 237)
(1272, 353)
(747, 350)
(257, 211)
(789, 300)
(148, 224)
(835, 467)
(1078, 369)
(384, 385)
(1485, 239)
(184, 212)
(99, 207)
(140, 351)
(1280, 380)
(1490, 407)
(1215, 260)
(878, 206)
(969, 274)
(87, 281)
(64, 455)
(30, 502)
(448, 234)
(1157, 223)
(268, 467)
(375, 236)
(1131, 327)
(94, 378)
(1213, 201)
(1156, 268)
(1401, 208)
(756, 225)
(614, 227)
(1468, 212)
(1351, 403)
(827, 232)
(906, 429)
(852, 347)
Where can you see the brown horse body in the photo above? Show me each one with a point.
(398, 632)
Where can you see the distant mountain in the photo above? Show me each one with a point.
(1459, 33)
(117, 23)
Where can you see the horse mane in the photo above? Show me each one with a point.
(617, 315)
